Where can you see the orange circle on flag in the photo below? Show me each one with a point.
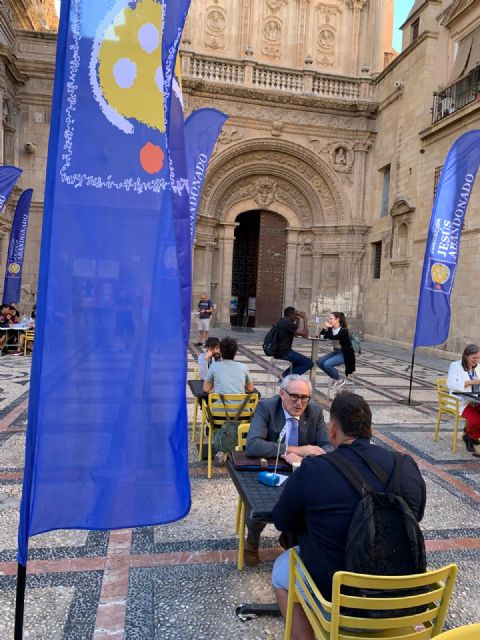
(151, 158)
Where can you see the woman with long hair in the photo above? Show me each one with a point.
(335, 329)
(464, 375)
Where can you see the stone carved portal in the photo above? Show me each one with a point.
(275, 177)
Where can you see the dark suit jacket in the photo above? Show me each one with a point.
(269, 419)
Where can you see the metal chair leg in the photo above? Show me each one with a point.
(241, 541)
(435, 435)
(194, 420)
(210, 438)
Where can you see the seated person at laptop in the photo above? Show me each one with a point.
(8, 317)
(464, 375)
(307, 436)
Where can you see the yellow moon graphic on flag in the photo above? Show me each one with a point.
(14, 268)
(440, 273)
(130, 70)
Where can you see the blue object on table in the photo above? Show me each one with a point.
(269, 478)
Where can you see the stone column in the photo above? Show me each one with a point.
(291, 257)
(357, 6)
(317, 273)
(360, 167)
(225, 246)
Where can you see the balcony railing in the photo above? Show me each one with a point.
(456, 96)
(247, 73)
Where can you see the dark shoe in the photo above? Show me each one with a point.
(251, 554)
(469, 443)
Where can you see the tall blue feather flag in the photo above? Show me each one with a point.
(202, 128)
(16, 249)
(107, 424)
(8, 178)
(443, 242)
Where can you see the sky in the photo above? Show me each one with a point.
(402, 7)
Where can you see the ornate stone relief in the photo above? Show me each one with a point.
(228, 136)
(326, 200)
(328, 23)
(356, 4)
(275, 5)
(341, 155)
(277, 128)
(273, 27)
(265, 191)
(215, 24)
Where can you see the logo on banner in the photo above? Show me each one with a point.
(440, 276)
(14, 268)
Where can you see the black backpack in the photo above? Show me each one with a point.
(384, 537)
(270, 343)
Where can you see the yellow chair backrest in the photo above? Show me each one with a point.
(243, 429)
(469, 632)
(447, 403)
(195, 374)
(232, 405)
(433, 604)
(30, 334)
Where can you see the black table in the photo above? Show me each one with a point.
(259, 500)
(196, 387)
(473, 397)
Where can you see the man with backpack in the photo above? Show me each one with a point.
(356, 508)
(294, 323)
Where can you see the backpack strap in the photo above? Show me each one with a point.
(395, 482)
(377, 470)
(242, 407)
(222, 400)
(348, 471)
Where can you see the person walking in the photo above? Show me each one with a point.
(335, 329)
(205, 310)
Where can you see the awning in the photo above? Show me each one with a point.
(468, 56)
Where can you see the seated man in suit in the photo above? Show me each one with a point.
(306, 436)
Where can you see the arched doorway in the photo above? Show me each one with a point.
(258, 269)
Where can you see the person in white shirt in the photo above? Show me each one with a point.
(464, 375)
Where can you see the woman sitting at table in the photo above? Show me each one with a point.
(335, 329)
(463, 375)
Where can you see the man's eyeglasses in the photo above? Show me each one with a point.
(294, 397)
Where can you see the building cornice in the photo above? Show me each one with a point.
(204, 88)
(426, 35)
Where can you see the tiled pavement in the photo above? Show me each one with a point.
(180, 580)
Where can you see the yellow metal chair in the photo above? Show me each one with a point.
(29, 337)
(213, 416)
(449, 405)
(469, 632)
(196, 404)
(240, 517)
(331, 622)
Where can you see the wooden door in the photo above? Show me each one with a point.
(271, 269)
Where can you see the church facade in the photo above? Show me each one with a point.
(320, 188)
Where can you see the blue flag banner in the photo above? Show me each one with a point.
(16, 249)
(107, 423)
(8, 178)
(202, 128)
(443, 242)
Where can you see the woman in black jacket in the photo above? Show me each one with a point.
(335, 329)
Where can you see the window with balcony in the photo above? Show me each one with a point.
(436, 179)
(464, 81)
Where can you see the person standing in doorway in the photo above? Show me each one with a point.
(205, 310)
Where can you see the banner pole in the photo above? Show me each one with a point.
(20, 601)
(411, 377)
